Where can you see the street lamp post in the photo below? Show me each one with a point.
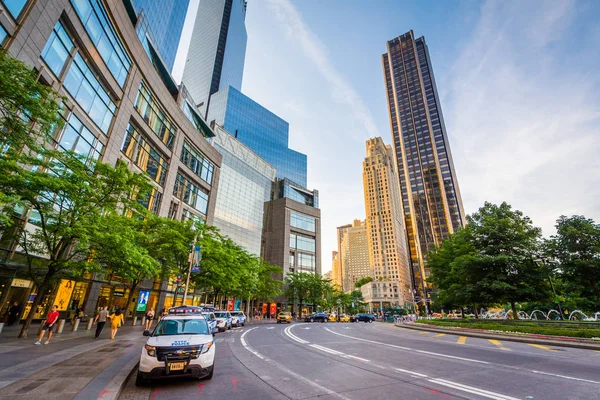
(191, 264)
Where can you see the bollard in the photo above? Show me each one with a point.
(144, 320)
(134, 321)
(76, 325)
(61, 325)
(1, 326)
(90, 323)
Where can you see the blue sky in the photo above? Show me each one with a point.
(519, 82)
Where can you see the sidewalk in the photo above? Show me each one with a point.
(73, 365)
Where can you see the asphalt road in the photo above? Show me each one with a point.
(347, 361)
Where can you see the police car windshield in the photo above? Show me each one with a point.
(168, 327)
(221, 314)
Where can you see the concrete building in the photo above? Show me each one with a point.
(430, 195)
(327, 275)
(336, 272)
(354, 263)
(217, 50)
(292, 229)
(386, 234)
(244, 187)
(119, 105)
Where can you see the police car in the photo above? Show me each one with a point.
(212, 321)
(238, 318)
(223, 320)
(180, 345)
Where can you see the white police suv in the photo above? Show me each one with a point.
(180, 345)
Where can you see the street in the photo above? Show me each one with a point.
(380, 361)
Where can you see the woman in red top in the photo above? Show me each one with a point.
(51, 321)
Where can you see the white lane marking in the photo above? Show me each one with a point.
(270, 327)
(566, 377)
(326, 349)
(245, 344)
(356, 358)
(473, 390)
(409, 349)
(288, 332)
(411, 373)
(290, 372)
(306, 328)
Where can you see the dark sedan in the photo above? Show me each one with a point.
(318, 317)
(365, 318)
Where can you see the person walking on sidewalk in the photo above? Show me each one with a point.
(13, 313)
(116, 319)
(149, 318)
(101, 320)
(51, 321)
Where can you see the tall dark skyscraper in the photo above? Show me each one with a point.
(165, 19)
(430, 195)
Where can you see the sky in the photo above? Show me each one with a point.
(519, 85)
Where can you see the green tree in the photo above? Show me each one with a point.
(576, 246)
(363, 281)
(298, 287)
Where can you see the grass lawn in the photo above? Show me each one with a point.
(581, 331)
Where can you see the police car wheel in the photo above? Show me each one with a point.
(210, 374)
(140, 380)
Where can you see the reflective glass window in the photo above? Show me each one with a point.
(302, 221)
(152, 112)
(57, 49)
(75, 136)
(15, 7)
(190, 193)
(87, 90)
(197, 162)
(143, 154)
(3, 34)
(95, 20)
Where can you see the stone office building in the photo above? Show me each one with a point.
(121, 103)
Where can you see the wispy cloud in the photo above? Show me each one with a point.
(341, 90)
(523, 113)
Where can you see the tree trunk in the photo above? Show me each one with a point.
(476, 313)
(514, 310)
(462, 312)
(131, 290)
(38, 298)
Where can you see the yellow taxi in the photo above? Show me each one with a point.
(344, 318)
(332, 317)
(284, 316)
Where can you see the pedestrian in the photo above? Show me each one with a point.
(51, 320)
(116, 319)
(14, 312)
(100, 320)
(149, 318)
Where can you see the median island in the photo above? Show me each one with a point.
(585, 330)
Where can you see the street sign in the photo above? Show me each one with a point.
(197, 256)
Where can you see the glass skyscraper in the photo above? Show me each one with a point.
(244, 187)
(217, 50)
(166, 19)
(259, 129)
(430, 195)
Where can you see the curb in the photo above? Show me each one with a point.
(117, 384)
(549, 342)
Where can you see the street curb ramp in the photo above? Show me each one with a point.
(572, 343)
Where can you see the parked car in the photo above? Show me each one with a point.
(181, 345)
(223, 320)
(352, 318)
(344, 318)
(332, 318)
(319, 317)
(309, 317)
(240, 316)
(284, 316)
(365, 317)
(212, 321)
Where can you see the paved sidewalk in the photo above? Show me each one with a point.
(74, 364)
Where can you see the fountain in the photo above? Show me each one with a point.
(537, 311)
(585, 317)
(596, 316)
(553, 311)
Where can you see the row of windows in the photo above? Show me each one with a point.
(3, 34)
(156, 117)
(76, 137)
(94, 19)
(302, 243)
(302, 221)
(15, 7)
(303, 261)
(57, 49)
(197, 162)
(139, 150)
(190, 194)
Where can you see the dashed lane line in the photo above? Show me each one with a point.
(499, 344)
(461, 340)
(423, 333)
(440, 335)
(539, 346)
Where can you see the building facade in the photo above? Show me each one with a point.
(117, 106)
(217, 50)
(354, 263)
(386, 235)
(292, 229)
(244, 187)
(336, 273)
(165, 19)
(259, 129)
(430, 194)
